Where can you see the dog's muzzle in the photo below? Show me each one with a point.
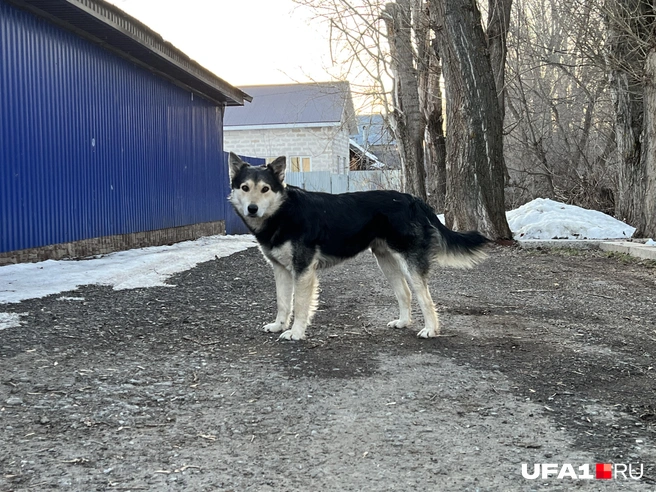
(252, 210)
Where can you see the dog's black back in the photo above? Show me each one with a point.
(341, 226)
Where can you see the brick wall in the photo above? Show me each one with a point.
(110, 244)
(324, 145)
(341, 152)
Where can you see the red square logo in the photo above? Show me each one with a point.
(604, 471)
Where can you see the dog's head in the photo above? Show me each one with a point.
(256, 191)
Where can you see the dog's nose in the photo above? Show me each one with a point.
(252, 209)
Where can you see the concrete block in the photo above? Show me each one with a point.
(638, 250)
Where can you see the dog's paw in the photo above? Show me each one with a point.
(291, 335)
(274, 327)
(399, 323)
(428, 333)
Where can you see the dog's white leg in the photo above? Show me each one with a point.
(431, 322)
(284, 293)
(393, 272)
(305, 303)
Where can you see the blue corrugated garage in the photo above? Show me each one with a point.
(109, 136)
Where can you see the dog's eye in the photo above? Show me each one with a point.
(244, 188)
(265, 189)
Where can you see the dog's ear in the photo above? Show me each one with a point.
(235, 164)
(278, 167)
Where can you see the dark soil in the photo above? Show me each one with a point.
(546, 358)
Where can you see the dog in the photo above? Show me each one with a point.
(300, 232)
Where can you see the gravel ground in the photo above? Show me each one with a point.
(546, 357)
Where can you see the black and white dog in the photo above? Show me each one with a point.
(300, 231)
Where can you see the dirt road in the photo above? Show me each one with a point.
(546, 358)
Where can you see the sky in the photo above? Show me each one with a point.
(244, 42)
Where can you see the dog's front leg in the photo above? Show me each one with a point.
(284, 293)
(305, 302)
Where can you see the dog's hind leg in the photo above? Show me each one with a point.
(392, 270)
(284, 293)
(420, 286)
(305, 302)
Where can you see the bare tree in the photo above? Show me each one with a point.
(475, 169)
(577, 94)
(498, 24)
(631, 58)
(581, 105)
(408, 120)
(559, 138)
(649, 202)
(374, 41)
(430, 98)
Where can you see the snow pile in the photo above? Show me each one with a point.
(145, 267)
(547, 219)
(9, 320)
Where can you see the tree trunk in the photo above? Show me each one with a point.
(648, 222)
(430, 100)
(475, 170)
(435, 140)
(628, 28)
(407, 119)
(498, 20)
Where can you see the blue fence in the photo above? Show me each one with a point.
(92, 145)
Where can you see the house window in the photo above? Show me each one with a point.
(300, 164)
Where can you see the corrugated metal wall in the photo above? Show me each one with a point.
(92, 145)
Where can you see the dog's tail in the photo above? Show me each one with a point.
(456, 249)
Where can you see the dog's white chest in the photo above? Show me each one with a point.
(283, 254)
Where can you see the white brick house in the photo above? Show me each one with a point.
(310, 124)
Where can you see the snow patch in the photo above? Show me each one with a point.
(144, 267)
(547, 219)
(10, 320)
